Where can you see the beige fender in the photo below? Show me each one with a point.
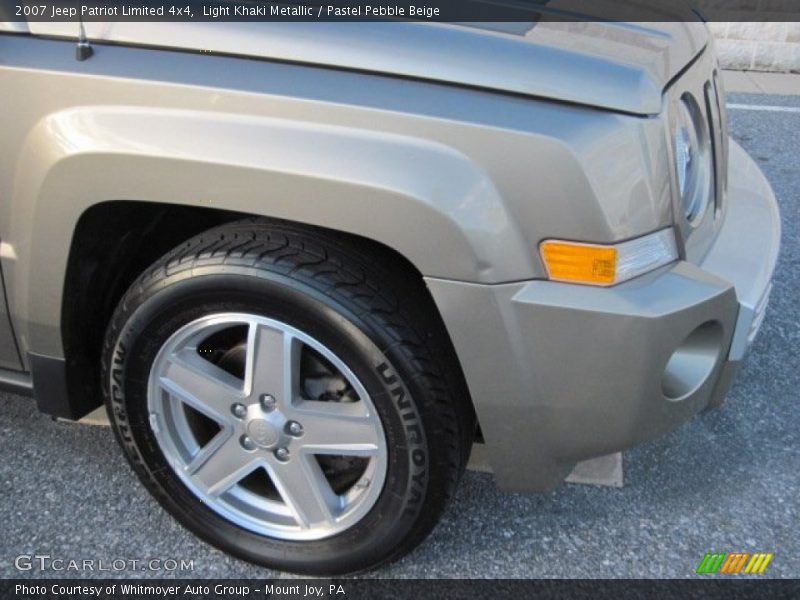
(425, 200)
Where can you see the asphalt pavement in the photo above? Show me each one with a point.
(728, 481)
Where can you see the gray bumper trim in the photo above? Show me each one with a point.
(561, 373)
(746, 249)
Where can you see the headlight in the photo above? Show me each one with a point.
(693, 163)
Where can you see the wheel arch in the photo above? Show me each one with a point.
(409, 195)
(415, 196)
(115, 241)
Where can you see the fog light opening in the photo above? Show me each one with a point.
(692, 363)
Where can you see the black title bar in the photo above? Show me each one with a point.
(424, 10)
(416, 589)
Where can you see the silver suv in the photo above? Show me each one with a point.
(306, 266)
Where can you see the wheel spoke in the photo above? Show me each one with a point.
(222, 463)
(343, 428)
(201, 384)
(305, 490)
(273, 363)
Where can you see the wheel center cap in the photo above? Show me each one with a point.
(263, 433)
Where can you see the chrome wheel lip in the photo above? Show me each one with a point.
(237, 504)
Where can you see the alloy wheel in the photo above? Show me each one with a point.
(267, 426)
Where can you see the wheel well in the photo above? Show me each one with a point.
(114, 242)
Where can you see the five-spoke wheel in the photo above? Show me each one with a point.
(246, 438)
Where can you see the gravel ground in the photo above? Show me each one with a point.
(728, 481)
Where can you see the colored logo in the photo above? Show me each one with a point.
(734, 562)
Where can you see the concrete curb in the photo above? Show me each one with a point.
(752, 82)
(604, 470)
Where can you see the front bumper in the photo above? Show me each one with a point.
(560, 373)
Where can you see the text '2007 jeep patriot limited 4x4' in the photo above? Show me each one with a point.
(306, 268)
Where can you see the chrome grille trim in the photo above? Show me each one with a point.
(718, 136)
(712, 109)
(722, 111)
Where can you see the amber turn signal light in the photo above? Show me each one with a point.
(580, 262)
(600, 264)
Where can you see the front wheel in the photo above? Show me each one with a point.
(275, 396)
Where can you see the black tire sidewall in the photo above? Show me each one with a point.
(149, 316)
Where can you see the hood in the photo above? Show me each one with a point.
(613, 65)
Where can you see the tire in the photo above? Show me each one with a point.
(357, 326)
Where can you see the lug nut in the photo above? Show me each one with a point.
(247, 443)
(268, 402)
(239, 410)
(294, 428)
(282, 454)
